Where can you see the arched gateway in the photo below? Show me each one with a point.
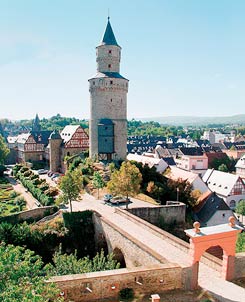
(201, 239)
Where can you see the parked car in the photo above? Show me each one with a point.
(119, 199)
(42, 171)
(50, 173)
(107, 197)
(56, 176)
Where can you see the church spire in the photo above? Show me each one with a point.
(36, 124)
(109, 38)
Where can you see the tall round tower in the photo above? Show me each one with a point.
(108, 102)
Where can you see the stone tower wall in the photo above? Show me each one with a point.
(108, 99)
(108, 55)
(54, 155)
(108, 96)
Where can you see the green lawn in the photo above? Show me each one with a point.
(10, 201)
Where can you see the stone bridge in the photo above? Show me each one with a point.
(144, 247)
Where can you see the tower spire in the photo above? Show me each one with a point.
(36, 124)
(109, 37)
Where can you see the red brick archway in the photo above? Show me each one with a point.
(201, 239)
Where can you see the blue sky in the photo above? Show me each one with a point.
(182, 57)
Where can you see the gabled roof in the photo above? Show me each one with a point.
(108, 37)
(220, 182)
(146, 160)
(169, 160)
(23, 137)
(41, 137)
(210, 206)
(177, 173)
(241, 163)
(12, 139)
(192, 151)
(67, 133)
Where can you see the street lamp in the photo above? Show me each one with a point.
(177, 194)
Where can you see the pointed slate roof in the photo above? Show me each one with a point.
(36, 124)
(55, 135)
(208, 207)
(109, 38)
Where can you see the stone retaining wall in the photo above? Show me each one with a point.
(174, 212)
(98, 286)
(207, 258)
(34, 214)
(135, 252)
(240, 265)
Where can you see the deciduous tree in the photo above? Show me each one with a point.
(22, 277)
(64, 264)
(4, 150)
(71, 184)
(125, 181)
(98, 182)
(240, 208)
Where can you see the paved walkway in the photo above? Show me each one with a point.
(208, 278)
(31, 202)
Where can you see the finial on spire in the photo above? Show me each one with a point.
(108, 14)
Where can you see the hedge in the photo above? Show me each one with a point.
(35, 191)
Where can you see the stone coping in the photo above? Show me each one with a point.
(169, 236)
(212, 230)
(116, 272)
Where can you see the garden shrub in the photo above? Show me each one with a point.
(16, 169)
(38, 165)
(23, 169)
(27, 173)
(44, 187)
(36, 181)
(2, 170)
(3, 180)
(126, 294)
(34, 176)
(13, 194)
(14, 209)
(52, 192)
(35, 191)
